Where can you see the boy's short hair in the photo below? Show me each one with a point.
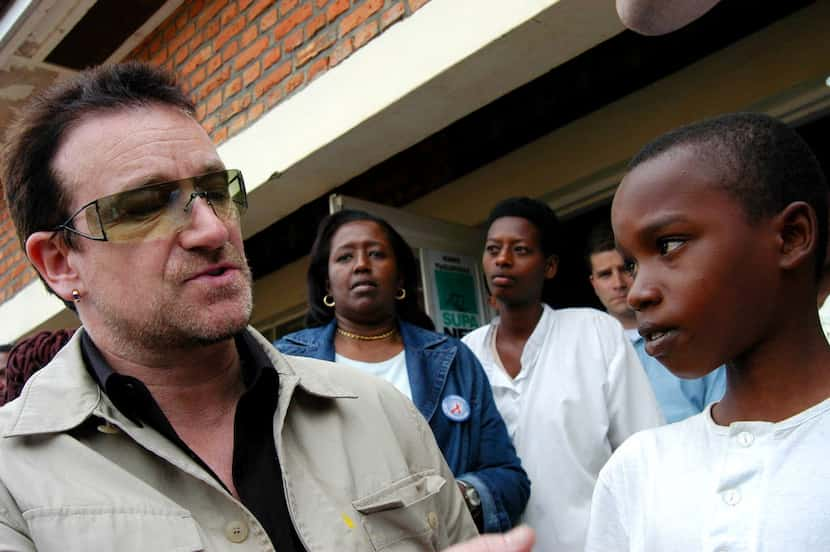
(537, 213)
(600, 240)
(762, 162)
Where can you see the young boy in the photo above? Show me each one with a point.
(566, 381)
(724, 224)
(679, 398)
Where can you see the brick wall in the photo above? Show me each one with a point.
(240, 58)
(15, 271)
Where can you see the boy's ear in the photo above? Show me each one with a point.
(50, 256)
(797, 230)
(551, 265)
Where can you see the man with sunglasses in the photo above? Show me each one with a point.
(166, 422)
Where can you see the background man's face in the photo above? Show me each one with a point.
(189, 288)
(611, 282)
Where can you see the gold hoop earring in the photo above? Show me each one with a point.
(76, 295)
(328, 301)
(401, 295)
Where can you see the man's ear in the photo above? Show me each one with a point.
(797, 230)
(50, 256)
(551, 265)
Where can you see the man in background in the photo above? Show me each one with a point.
(678, 398)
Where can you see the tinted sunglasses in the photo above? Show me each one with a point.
(159, 210)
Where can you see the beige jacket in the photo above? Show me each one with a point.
(360, 467)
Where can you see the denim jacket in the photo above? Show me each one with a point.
(478, 449)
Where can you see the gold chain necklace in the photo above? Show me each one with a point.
(359, 337)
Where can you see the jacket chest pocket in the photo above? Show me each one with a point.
(81, 529)
(405, 515)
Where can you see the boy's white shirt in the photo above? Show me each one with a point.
(824, 317)
(581, 392)
(695, 485)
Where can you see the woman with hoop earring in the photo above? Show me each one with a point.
(364, 312)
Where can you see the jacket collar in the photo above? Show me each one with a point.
(316, 342)
(429, 356)
(63, 395)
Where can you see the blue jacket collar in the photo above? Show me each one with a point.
(429, 356)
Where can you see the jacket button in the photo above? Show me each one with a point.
(432, 519)
(236, 531)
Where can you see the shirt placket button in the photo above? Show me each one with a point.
(746, 439)
(732, 497)
(236, 531)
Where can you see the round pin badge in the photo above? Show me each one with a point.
(456, 408)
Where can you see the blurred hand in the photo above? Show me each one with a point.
(520, 539)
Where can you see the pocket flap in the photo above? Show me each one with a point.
(401, 493)
(80, 529)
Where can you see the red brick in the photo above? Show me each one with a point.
(198, 77)
(321, 3)
(365, 33)
(233, 87)
(228, 15)
(336, 8)
(313, 48)
(249, 35)
(195, 7)
(181, 20)
(237, 124)
(209, 11)
(256, 111)
(257, 8)
(274, 97)
(293, 40)
(316, 23)
(230, 51)
(214, 82)
(297, 16)
(210, 31)
(196, 60)
(169, 31)
(318, 67)
(210, 123)
(415, 5)
(294, 82)
(249, 54)
(220, 135)
(201, 111)
(341, 51)
(271, 57)
(196, 41)
(228, 33)
(267, 20)
(288, 5)
(213, 102)
(251, 74)
(271, 79)
(235, 107)
(214, 63)
(155, 45)
(392, 15)
(243, 4)
(159, 58)
(181, 55)
(359, 15)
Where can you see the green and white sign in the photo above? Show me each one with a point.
(454, 292)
